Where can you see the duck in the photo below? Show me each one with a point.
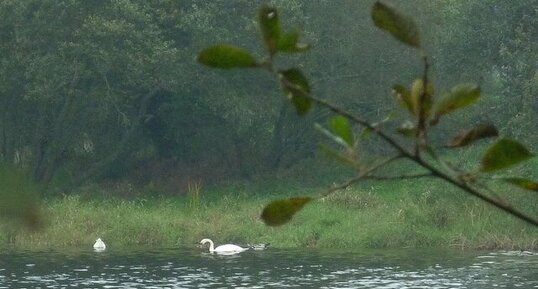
(259, 247)
(223, 249)
(99, 245)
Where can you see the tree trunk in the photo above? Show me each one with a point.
(244, 172)
(277, 143)
(51, 148)
(122, 149)
(8, 128)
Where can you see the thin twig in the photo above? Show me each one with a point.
(360, 176)
(421, 136)
(467, 188)
(402, 177)
(417, 159)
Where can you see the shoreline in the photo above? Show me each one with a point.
(350, 219)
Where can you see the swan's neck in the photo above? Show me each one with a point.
(211, 246)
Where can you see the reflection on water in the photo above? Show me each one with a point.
(182, 268)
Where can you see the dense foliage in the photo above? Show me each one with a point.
(97, 90)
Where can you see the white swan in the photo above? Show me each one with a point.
(223, 249)
(99, 245)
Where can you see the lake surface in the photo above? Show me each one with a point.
(272, 268)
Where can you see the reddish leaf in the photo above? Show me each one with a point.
(471, 135)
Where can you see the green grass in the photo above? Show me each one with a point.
(372, 215)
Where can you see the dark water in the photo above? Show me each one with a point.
(272, 268)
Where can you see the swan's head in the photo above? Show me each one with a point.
(205, 241)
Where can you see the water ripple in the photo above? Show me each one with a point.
(175, 268)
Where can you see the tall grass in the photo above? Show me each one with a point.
(194, 189)
(373, 215)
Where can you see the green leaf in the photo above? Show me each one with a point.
(342, 128)
(404, 96)
(289, 42)
(281, 211)
(297, 88)
(226, 56)
(417, 91)
(504, 153)
(332, 136)
(270, 27)
(302, 104)
(19, 198)
(400, 26)
(471, 135)
(411, 99)
(523, 183)
(408, 129)
(459, 96)
(366, 133)
(338, 156)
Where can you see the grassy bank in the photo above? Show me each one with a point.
(373, 215)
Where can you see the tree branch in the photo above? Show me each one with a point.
(415, 157)
(402, 177)
(421, 136)
(360, 176)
